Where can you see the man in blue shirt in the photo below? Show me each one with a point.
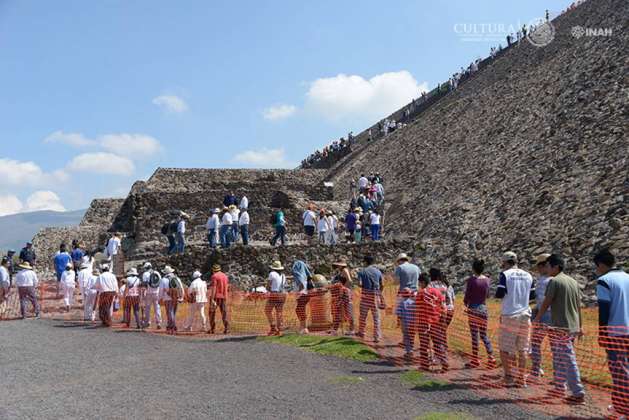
(61, 260)
(76, 254)
(370, 279)
(612, 292)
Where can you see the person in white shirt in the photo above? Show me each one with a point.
(152, 279)
(235, 213)
(180, 238)
(243, 222)
(107, 286)
(333, 222)
(277, 298)
(226, 225)
(132, 298)
(323, 225)
(26, 281)
(5, 283)
(87, 281)
(197, 293)
(171, 292)
(212, 225)
(112, 249)
(363, 182)
(68, 284)
(244, 203)
(374, 222)
(310, 223)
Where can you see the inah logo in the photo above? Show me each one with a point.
(542, 34)
(580, 31)
(577, 31)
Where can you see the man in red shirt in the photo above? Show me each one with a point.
(219, 291)
(430, 304)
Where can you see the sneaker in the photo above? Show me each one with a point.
(576, 399)
(350, 333)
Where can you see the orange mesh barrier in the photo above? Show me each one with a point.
(442, 343)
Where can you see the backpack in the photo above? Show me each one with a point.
(165, 228)
(154, 280)
(172, 227)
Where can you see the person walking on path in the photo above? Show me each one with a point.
(27, 254)
(112, 249)
(171, 292)
(68, 284)
(5, 284)
(61, 261)
(515, 290)
(429, 308)
(107, 287)
(302, 279)
(212, 225)
(540, 329)
(26, 282)
(374, 222)
(370, 279)
(132, 298)
(476, 293)
(280, 228)
(197, 293)
(277, 298)
(563, 296)
(226, 226)
(86, 282)
(405, 311)
(181, 233)
(612, 292)
(152, 279)
(244, 222)
(219, 293)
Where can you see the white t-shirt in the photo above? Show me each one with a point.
(68, 278)
(133, 286)
(26, 278)
(113, 245)
(227, 219)
(310, 218)
(199, 288)
(213, 222)
(4, 277)
(235, 214)
(84, 277)
(244, 203)
(518, 284)
(363, 182)
(106, 282)
(90, 285)
(277, 282)
(244, 218)
(322, 225)
(181, 226)
(374, 219)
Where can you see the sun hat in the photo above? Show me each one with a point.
(541, 258)
(196, 274)
(509, 256)
(168, 270)
(340, 263)
(132, 272)
(276, 266)
(25, 265)
(232, 207)
(357, 210)
(402, 256)
(216, 268)
(147, 265)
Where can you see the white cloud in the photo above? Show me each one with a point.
(9, 204)
(44, 200)
(264, 158)
(16, 173)
(278, 112)
(171, 103)
(345, 96)
(102, 163)
(71, 139)
(134, 146)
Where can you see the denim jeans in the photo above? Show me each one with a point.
(235, 232)
(369, 300)
(280, 233)
(540, 331)
(375, 232)
(172, 245)
(181, 242)
(226, 236)
(566, 370)
(618, 363)
(211, 238)
(171, 315)
(477, 320)
(244, 233)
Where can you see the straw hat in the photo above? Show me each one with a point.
(132, 272)
(340, 263)
(25, 265)
(357, 210)
(196, 275)
(216, 268)
(402, 256)
(168, 270)
(232, 207)
(276, 266)
(541, 259)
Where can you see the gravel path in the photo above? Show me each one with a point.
(51, 369)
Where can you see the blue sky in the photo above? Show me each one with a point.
(96, 94)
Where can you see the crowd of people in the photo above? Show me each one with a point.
(338, 147)
(425, 305)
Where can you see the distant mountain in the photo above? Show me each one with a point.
(16, 229)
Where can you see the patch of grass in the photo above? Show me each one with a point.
(445, 415)
(347, 380)
(420, 381)
(343, 347)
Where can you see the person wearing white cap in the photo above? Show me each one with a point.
(27, 282)
(152, 279)
(212, 225)
(514, 288)
(277, 298)
(87, 282)
(132, 298)
(171, 292)
(68, 284)
(107, 286)
(197, 294)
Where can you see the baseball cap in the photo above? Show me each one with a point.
(541, 258)
(509, 256)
